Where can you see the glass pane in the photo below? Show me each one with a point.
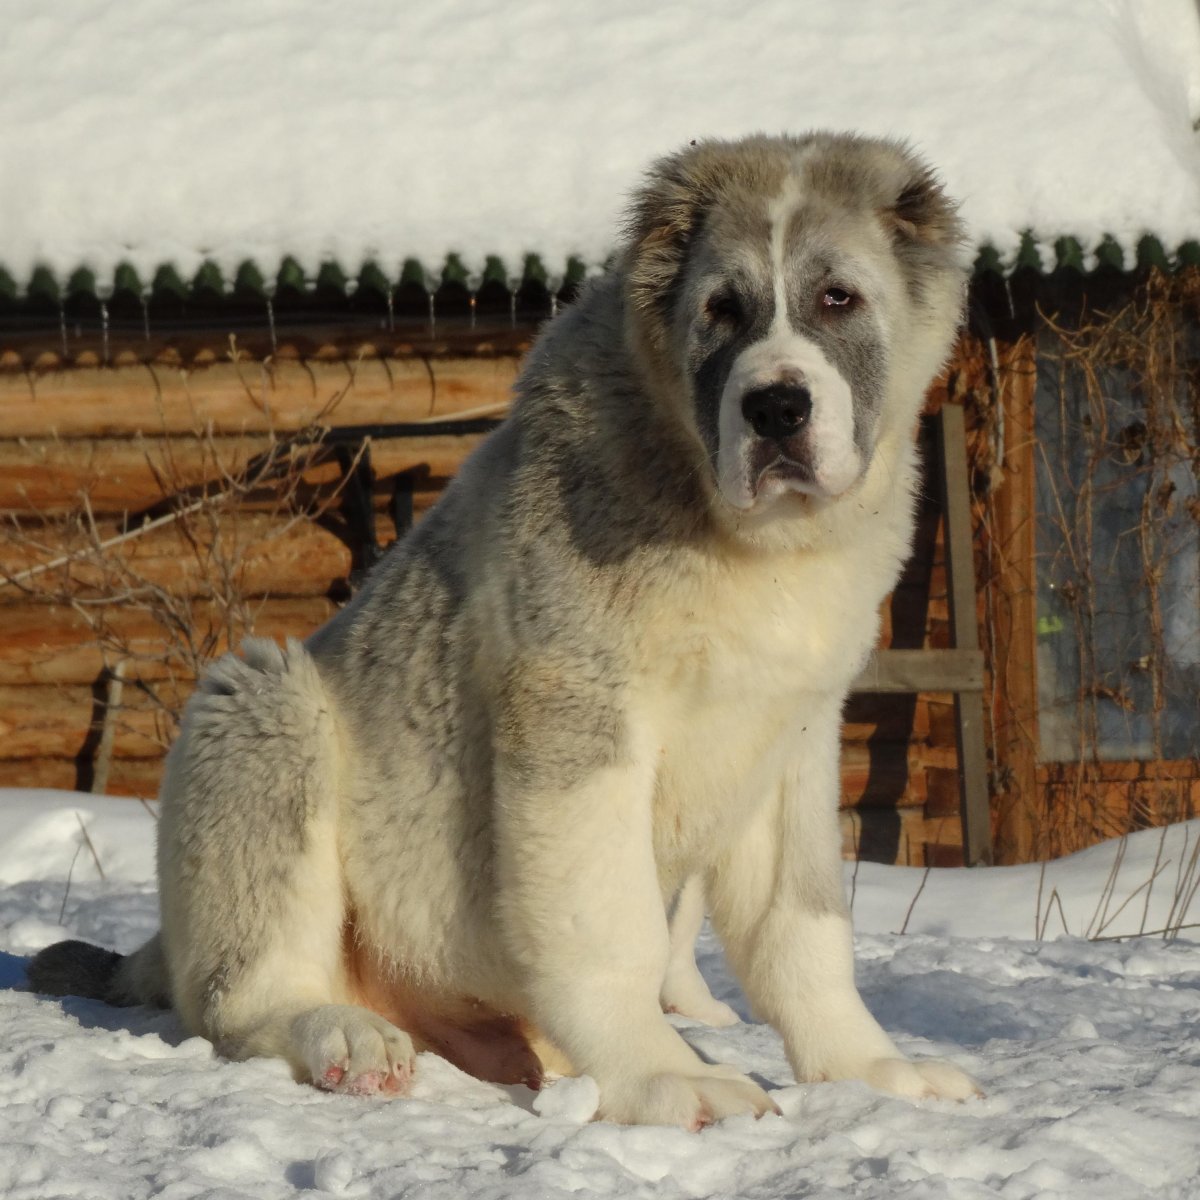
(1118, 572)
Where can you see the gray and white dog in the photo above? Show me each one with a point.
(601, 681)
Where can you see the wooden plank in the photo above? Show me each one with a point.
(49, 476)
(57, 722)
(175, 345)
(268, 555)
(1146, 770)
(887, 717)
(1019, 808)
(231, 398)
(46, 722)
(126, 776)
(922, 671)
(54, 644)
(912, 834)
(968, 704)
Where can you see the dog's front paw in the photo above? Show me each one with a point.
(928, 1080)
(689, 1101)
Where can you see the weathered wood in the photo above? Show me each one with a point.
(877, 717)
(54, 722)
(230, 398)
(1142, 771)
(916, 836)
(922, 671)
(1087, 802)
(968, 703)
(127, 776)
(54, 644)
(174, 346)
(892, 750)
(267, 556)
(48, 475)
(1018, 809)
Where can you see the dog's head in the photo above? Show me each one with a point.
(799, 293)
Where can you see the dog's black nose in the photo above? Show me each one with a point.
(777, 411)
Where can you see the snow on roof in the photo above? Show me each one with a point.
(182, 132)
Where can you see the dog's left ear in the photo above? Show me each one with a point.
(921, 213)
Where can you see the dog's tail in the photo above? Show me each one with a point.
(81, 969)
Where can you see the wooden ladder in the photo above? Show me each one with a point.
(958, 670)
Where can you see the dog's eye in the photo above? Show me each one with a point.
(836, 297)
(724, 307)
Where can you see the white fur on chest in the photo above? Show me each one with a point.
(734, 668)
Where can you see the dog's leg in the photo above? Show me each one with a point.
(684, 990)
(778, 903)
(253, 899)
(582, 914)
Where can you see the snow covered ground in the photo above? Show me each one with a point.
(1089, 1051)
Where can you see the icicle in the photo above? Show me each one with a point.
(271, 323)
(104, 332)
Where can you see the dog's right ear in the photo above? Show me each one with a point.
(664, 214)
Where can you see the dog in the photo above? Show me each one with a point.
(603, 679)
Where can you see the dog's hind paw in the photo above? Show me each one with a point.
(350, 1050)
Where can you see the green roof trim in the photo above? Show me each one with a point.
(413, 274)
(454, 273)
(168, 282)
(372, 279)
(290, 277)
(1069, 254)
(1029, 255)
(251, 281)
(1109, 254)
(82, 283)
(43, 286)
(494, 271)
(208, 279)
(1150, 254)
(125, 279)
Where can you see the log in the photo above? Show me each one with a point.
(48, 721)
(126, 776)
(918, 840)
(57, 722)
(248, 397)
(268, 555)
(52, 476)
(57, 644)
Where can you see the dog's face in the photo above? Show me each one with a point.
(790, 285)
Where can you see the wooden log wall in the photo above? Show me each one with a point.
(89, 453)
